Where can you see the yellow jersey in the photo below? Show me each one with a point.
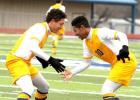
(39, 32)
(104, 44)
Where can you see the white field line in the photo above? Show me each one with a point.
(60, 81)
(93, 92)
(9, 86)
(74, 82)
(9, 98)
(66, 82)
(65, 36)
(79, 92)
(87, 83)
(7, 93)
(86, 75)
(99, 68)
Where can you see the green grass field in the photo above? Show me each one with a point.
(85, 86)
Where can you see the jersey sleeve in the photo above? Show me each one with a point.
(86, 53)
(37, 32)
(105, 33)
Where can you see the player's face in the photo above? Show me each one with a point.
(80, 32)
(56, 25)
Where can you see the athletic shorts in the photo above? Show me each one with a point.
(122, 72)
(18, 67)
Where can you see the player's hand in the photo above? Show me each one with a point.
(59, 60)
(123, 53)
(55, 63)
(43, 62)
(66, 75)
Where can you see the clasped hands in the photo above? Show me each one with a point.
(56, 64)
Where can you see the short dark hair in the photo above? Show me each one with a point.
(80, 20)
(55, 14)
(57, 1)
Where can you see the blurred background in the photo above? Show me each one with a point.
(20, 14)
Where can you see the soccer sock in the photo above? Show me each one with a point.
(23, 96)
(40, 96)
(110, 96)
(22, 99)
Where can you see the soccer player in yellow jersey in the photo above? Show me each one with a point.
(109, 45)
(59, 36)
(29, 45)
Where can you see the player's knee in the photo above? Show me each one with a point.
(44, 88)
(29, 90)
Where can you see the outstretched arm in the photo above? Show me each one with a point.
(45, 59)
(37, 51)
(68, 74)
(81, 67)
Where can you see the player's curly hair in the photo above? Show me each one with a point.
(80, 20)
(55, 14)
